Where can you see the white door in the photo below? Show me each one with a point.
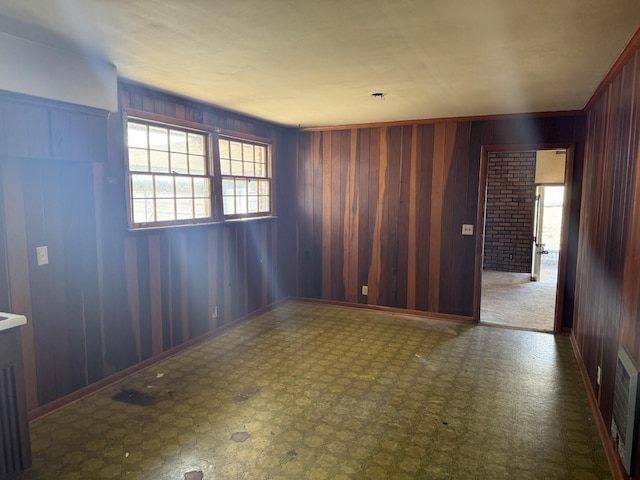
(538, 245)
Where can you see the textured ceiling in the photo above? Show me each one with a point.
(310, 63)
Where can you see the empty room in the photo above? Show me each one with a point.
(293, 240)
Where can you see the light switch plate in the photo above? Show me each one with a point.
(42, 255)
(467, 229)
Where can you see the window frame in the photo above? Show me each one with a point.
(245, 139)
(212, 164)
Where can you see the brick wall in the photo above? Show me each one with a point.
(509, 211)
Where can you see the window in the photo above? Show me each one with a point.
(168, 174)
(246, 185)
(174, 177)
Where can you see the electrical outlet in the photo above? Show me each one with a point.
(599, 375)
(365, 290)
(214, 314)
(467, 229)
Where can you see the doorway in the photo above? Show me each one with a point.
(521, 241)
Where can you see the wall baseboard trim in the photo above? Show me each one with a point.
(106, 382)
(615, 464)
(392, 310)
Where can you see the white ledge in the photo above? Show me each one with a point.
(11, 320)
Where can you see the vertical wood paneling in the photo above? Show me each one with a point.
(338, 171)
(351, 217)
(322, 149)
(412, 257)
(227, 274)
(241, 275)
(457, 252)
(213, 272)
(423, 211)
(26, 131)
(52, 324)
(388, 233)
(412, 186)
(380, 162)
(364, 240)
(607, 296)
(197, 285)
(17, 260)
(143, 270)
(402, 222)
(375, 144)
(133, 290)
(317, 257)
(437, 192)
(254, 261)
(304, 222)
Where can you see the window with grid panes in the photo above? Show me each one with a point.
(246, 177)
(169, 177)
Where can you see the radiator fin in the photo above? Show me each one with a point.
(624, 422)
(10, 441)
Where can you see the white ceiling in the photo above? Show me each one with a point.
(313, 63)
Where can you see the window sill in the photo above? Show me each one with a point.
(152, 228)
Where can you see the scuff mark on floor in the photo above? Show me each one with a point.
(135, 397)
(194, 475)
(240, 437)
(246, 394)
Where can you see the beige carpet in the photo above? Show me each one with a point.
(513, 300)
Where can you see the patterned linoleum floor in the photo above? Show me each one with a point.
(310, 391)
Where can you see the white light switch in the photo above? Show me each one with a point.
(467, 229)
(42, 255)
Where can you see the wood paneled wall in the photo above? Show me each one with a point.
(383, 206)
(607, 303)
(111, 298)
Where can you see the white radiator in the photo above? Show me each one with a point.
(624, 422)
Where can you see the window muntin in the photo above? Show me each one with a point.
(246, 182)
(168, 176)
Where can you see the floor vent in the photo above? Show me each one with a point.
(624, 424)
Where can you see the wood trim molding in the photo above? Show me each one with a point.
(125, 84)
(393, 310)
(616, 68)
(135, 114)
(615, 464)
(506, 116)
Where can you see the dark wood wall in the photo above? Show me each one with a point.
(383, 206)
(607, 303)
(111, 298)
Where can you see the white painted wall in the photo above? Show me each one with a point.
(42, 71)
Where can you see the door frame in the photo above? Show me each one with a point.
(564, 228)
